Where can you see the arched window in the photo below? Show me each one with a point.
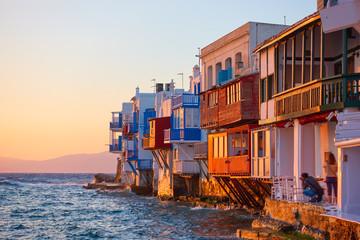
(218, 69)
(238, 61)
(209, 76)
(228, 63)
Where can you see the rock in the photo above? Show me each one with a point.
(101, 177)
(142, 191)
(107, 186)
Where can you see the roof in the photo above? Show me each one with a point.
(287, 31)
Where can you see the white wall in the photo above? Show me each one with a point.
(285, 152)
(349, 180)
(308, 160)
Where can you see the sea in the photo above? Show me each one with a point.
(56, 206)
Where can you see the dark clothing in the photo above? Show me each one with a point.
(331, 182)
(312, 184)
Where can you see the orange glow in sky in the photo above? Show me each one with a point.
(66, 65)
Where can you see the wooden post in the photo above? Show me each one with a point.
(303, 57)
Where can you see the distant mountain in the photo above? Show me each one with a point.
(104, 162)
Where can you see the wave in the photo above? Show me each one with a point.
(22, 184)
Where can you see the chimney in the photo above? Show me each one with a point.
(172, 86)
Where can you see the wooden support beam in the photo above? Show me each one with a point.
(255, 188)
(276, 71)
(293, 62)
(156, 158)
(246, 193)
(163, 158)
(303, 48)
(265, 186)
(232, 198)
(202, 169)
(312, 52)
(284, 65)
(322, 53)
(240, 197)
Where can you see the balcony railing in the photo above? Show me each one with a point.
(187, 134)
(144, 164)
(186, 167)
(201, 150)
(320, 95)
(115, 125)
(185, 100)
(131, 154)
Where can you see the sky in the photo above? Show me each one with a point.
(66, 65)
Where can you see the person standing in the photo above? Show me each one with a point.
(331, 177)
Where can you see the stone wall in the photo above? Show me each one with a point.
(311, 215)
(211, 188)
(165, 187)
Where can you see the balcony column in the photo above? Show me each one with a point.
(297, 151)
(293, 62)
(345, 43)
(317, 150)
(303, 57)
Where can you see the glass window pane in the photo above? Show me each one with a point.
(244, 142)
(237, 143)
(231, 145)
(260, 144)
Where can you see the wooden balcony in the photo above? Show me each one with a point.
(185, 100)
(201, 150)
(186, 167)
(146, 143)
(182, 135)
(320, 95)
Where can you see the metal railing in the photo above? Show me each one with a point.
(186, 167)
(187, 134)
(185, 100)
(144, 164)
(327, 93)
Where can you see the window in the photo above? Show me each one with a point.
(270, 85)
(263, 90)
(261, 145)
(238, 143)
(181, 118)
(192, 117)
(216, 147)
(218, 69)
(209, 76)
(228, 63)
(238, 61)
(213, 99)
(220, 147)
(233, 93)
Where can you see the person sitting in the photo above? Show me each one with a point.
(311, 188)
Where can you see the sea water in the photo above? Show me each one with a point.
(56, 206)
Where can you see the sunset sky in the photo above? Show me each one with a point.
(65, 65)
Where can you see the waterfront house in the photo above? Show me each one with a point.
(347, 132)
(183, 133)
(306, 77)
(116, 142)
(229, 110)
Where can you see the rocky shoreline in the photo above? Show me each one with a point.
(263, 227)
